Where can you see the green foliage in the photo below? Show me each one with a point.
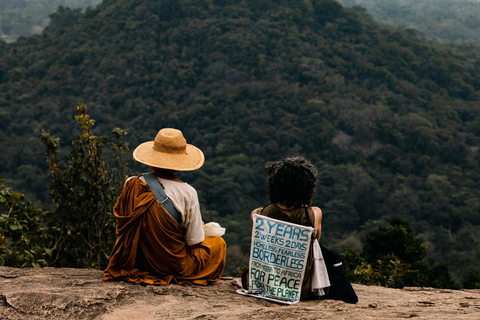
(387, 273)
(25, 238)
(64, 17)
(394, 257)
(237, 236)
(473, 280)
(438, 276)
(398, 239)
(84, 190)
(240, 270)
(327, 10)
(389, 118)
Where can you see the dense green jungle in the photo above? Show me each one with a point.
(390, 119)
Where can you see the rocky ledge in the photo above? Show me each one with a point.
(65, 293)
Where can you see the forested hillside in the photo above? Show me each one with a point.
(392, 121)
(444, 20)
(26, 17)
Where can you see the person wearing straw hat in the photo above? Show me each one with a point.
(160, 235)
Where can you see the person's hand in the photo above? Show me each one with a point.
(255, 211)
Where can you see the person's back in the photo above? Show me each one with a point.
(297, 216)
(152, 247)
(291, 187)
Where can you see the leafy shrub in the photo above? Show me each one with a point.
(473, 280)
(25, 238)
(393, 257)
(84, 190)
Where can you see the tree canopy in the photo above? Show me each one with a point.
(391, 120)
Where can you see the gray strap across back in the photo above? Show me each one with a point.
(161, 196)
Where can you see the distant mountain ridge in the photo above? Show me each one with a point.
(444, 20)
(27, 17)
(390, 120)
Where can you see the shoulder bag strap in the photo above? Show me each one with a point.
(308, 217)
(161, 196)
(264, 207)
(311, 223)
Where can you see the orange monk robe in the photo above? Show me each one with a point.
(150, 246)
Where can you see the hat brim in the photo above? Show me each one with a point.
(192, 159)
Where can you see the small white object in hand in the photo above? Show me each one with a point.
(213, 229)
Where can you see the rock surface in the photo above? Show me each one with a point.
(52, 293)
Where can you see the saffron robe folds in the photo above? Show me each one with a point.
(150, 246)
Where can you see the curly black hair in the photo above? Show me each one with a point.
(291, 181)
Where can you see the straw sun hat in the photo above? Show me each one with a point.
(169, 151)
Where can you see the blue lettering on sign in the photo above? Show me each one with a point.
(277, 259)
(296, 233)
(288, 230)
(281, 230)
(259, 226)
(271, 225)
(278, 256)
(305, 235)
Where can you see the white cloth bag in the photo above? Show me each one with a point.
(213, 229)
(320, 279)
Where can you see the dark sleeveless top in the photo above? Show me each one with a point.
(297, 216)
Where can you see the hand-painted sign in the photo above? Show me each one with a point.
(278, 259)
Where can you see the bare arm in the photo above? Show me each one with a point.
(255, 211)
(318, 221)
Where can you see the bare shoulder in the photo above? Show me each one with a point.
(318, 212)
(317, 209)
(256, 210)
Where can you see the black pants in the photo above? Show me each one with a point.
(340, 287)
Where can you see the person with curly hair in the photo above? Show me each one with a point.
(291, 187)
